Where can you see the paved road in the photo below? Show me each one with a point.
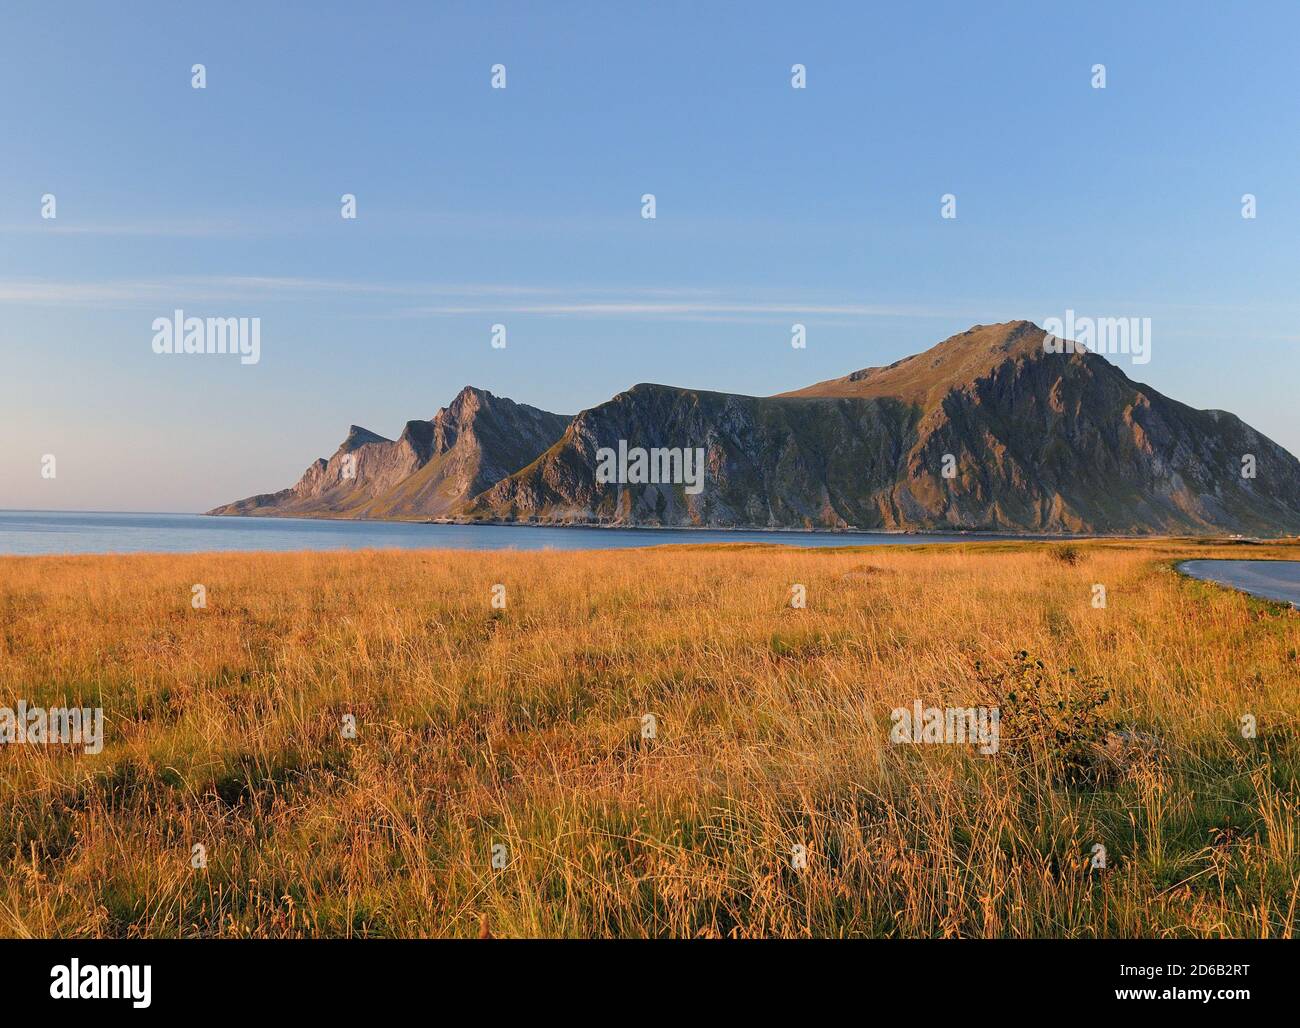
(1272, 579)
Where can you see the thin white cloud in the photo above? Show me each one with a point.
(175, 229)
(310, 285)
(42, 292)
(459, 299)
(634, 308)
(34, 293)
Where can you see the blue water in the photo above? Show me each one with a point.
(1271, 579)
(56, 532)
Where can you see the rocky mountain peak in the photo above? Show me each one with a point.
(987, 430)
(358, 437)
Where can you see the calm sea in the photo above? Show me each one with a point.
(54, 532)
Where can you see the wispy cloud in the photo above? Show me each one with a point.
(671, 310)
(225, 229)
(46, 293)
(454, 299)
(287, 223)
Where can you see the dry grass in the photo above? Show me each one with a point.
(522, 727)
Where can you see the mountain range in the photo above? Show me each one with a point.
(990, 430)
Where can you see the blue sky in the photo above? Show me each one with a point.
(523, 206)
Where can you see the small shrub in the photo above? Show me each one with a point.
(1051, 719)
(1068, 554)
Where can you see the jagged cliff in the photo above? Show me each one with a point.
(431, 469)
(1031, 440)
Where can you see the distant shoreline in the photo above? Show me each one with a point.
(49, 533)
(35, 533)
(973, 533)
(498, 523)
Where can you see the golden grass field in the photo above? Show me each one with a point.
(522, 727)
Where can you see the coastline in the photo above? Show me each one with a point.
(51, 533)
(974, 533)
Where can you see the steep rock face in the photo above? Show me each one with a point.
(988, 430)
(768, 462)
(1067, 442)
(432, 467)
(364, 466)
(475, 442)
(1036, 441)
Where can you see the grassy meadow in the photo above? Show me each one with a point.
(521, 729)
